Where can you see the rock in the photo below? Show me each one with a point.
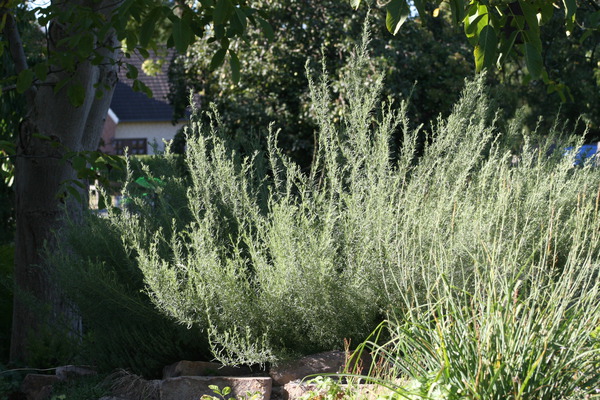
(329, 362)
(133, 387)
(295, 390)
(70, 372)
(37, 386)
(202, 368)
(112, 398)
(194, 387)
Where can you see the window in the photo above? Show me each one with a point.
(135, 146)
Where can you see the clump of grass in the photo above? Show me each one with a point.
(497, 276)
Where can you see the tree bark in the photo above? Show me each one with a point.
(40, 169)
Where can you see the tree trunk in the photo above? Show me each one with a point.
(40, 169)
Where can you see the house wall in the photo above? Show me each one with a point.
(108, 135)
(152, 131)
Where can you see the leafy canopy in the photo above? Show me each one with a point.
(498, 29)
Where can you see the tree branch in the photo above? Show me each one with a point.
(9, 88)
(15, 45)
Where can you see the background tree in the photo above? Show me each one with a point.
(67, 96)
(273, 84)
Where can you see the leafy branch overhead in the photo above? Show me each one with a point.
(79, 34)
(498, 29)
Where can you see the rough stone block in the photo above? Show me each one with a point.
(295, 390)
(202, 368)
(69, 372)
(329, 362)
(37, 386)
(194, 387)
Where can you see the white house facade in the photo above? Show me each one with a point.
(135, 121)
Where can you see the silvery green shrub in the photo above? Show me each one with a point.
(272, 261)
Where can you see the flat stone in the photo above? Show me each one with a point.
(202, 368)
(329, 362)
(194, 387)
(133, 387)
(70, 372)
(38, 386)
(295, 390)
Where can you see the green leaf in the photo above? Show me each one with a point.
(546, 12)
(8, 147)
(267, 29)
(506, 46)
(458, 11)
(132, 71)
(148, 26)
(476, 19)
(217, 59)
(24, 80)
(85, 47)
(570, 8)
(181, 34)
(485, 51)
(530, 14)
(143, 52)
(472, 26)
(420, 6)
(397, 13)
(241, 17)
(131, 40)
(355, 3)
(585, 35)
(592, 20)
(234, 63)
(76, 94)
(139, 86)
(79, 163)
(60, 84)
(533, 59)
(74, 192)
(226, 390)
(222, 10)
(41, 71)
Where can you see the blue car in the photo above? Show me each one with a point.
(585, 153)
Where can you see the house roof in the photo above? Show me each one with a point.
(131, 106)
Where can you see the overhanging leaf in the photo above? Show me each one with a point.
(132, 71)
(355, 3)
(533, 59)
(79, 163)
(571, 8)
(267, 28)
(458, 11)
(234, 63)
(41, 71)
(485, 51)
(24, 80)
(76, 94)
(182, 32)
(148, 26)
(217, 59)
(420, 6)
(506, 46)
(397, 13)
(86, 44)
(241, 17)
(222, 10)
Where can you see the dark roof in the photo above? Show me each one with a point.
(130, 106)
